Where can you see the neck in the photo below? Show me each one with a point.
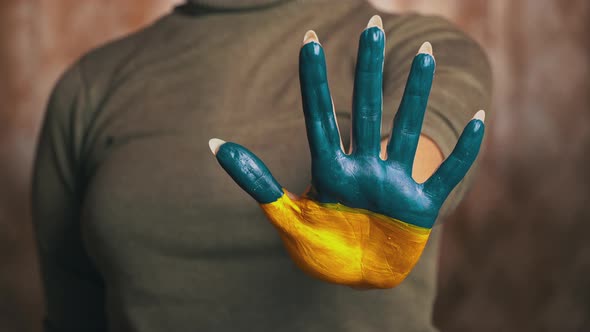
(235, 4)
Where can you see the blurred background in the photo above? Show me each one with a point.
(516, 253)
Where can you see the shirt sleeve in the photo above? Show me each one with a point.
(462, 82)
(72, 288)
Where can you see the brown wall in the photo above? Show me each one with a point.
(38, 40)
(515, 255)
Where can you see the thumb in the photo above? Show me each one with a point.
(247, 170)
(454, 168)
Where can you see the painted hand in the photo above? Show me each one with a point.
(364, 221)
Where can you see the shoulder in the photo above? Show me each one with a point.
(104, 66)
(83, 87)
(78, 94)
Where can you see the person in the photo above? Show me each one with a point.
(138, 228)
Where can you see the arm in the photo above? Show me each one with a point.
(72, 291)
(428, 158)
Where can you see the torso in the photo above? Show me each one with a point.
(178, 244)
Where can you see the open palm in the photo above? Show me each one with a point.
(364, 221)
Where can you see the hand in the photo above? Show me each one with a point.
(364, 221)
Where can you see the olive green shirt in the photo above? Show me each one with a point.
(138, 227)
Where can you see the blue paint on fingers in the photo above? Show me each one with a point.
(362, 180)
(249, 172)
(367, 100)
(455, 167)
(322, 131)
(410, 115)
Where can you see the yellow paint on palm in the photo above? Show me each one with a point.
(344, 245)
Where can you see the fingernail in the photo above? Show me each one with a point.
(215, 144)
(375, 21)
(480, 115)
(309, 37)
(426, 48)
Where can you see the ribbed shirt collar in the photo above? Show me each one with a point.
(236, 4)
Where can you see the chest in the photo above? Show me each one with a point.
(154, 189)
